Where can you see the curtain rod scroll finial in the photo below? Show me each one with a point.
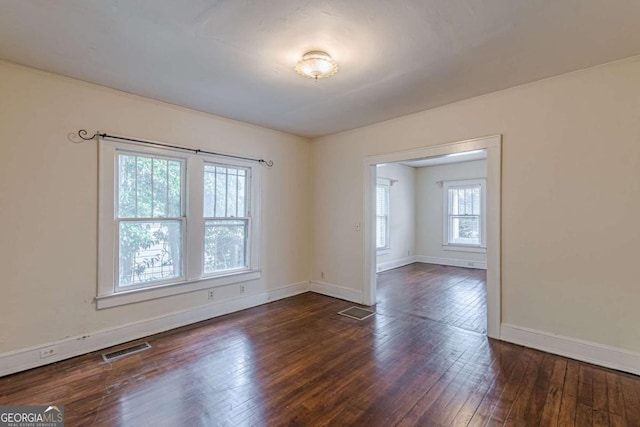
(83, 134)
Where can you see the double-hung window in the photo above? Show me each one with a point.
(464, 215)
(171, 222)
(382, 214)
(227, 218)
(149, 220)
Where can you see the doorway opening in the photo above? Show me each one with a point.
(449, 225)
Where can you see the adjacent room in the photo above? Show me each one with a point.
(319, 213)
(431, 238)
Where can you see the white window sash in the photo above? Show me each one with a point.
(152, 154)
(447, 242)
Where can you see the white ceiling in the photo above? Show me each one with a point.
(235, 58)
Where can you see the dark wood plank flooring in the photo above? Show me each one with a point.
(297, 362)
(451, 295)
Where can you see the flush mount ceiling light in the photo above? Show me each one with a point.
(316, 65)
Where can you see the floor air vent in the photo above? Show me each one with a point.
(357, 313)
(108, 357)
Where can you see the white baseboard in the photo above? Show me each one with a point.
(389, 265)
(28, 358)
(482, 265)
(287, 291)
(336, 291)
(585, 351)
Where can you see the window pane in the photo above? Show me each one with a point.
(242, 207)
(476, 201)
(221, 192)
(209, 191)
(149, 187)
(465, 230)
(127, 186)
(453, 202)
(225, 245)
(382, 215)
(464, 200)
(175, 188)
(143, 189)
(149, 251)
(382, 200)
(160, 188)
(232, 194)
(224, 192)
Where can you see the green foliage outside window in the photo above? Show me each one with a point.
(149, 189)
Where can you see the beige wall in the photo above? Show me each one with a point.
(430, 208)
(570, 197)
(48, 201)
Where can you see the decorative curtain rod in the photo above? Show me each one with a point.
(83, 135)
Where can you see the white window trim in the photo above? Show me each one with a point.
(193, 277)
(459, 247)
(387, 183)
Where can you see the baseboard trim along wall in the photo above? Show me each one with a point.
(585, 351)
(336, 291)
(452, 262)
(390, 265)
(28, 358)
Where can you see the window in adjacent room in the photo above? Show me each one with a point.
(382, 213)
(464, 214)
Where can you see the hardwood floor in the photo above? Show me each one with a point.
(297, 362)
(451, 295)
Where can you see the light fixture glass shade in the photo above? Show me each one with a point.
(316, 65)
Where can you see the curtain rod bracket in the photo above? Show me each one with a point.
(82, 134)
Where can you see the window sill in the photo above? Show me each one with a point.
(383, 251)
(463, 248)
(161, 291)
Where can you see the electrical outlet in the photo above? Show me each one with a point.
(322, 274)
(242, 289)
(48, 352)
(210, 294)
